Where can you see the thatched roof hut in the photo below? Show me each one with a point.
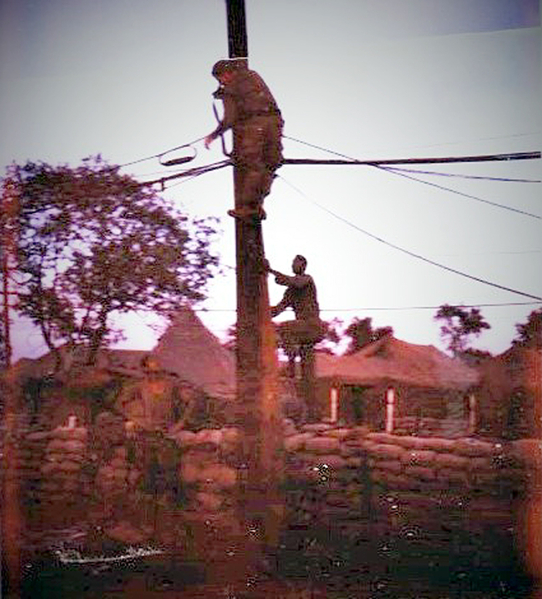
(391, 360)
(427, 384)
(193, 353)
(123, 361)
(188, 361)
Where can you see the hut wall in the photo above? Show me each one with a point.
(417, 410)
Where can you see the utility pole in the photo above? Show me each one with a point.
(258, 412)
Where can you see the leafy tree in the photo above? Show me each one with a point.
(475, 357)
(459, 325)
(332, 338)
(530, 333)
(93, 243)
(361, 333)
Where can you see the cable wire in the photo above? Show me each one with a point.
(462, 176)
(408, 252)
(186, 145)
(459, 193)
(191, 172)
(393, 308)
(380, 165)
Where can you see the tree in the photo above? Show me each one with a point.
(530, 333)
(459, 325)
(332, 337)
(3, 353)
(93, 243)
(3, 300)
(361, 333)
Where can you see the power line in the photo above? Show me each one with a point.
(412, 254)
(459, 193)
(394, 308)
(191, 172)
(385, 162)
(382, 164)
(448, 143)
(159, 155)
(462, 176)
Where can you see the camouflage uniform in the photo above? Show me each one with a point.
(298, 337)
(307, 329)
(250, 107)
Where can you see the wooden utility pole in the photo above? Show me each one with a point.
(258, 412)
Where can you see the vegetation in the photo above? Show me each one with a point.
(529, 334)
(3, 353)
(459, 325)
(333, 337)
(361, 333)
(94, 243)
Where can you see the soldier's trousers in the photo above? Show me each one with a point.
(258, 153)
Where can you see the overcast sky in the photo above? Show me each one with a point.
(371, 80)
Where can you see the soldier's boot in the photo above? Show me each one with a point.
(251, 200)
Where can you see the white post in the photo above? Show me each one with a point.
(472, 413)
(334, 404)
(390, 405)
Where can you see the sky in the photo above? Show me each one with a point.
(128, 79)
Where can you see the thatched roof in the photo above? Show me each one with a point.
(192, 352)
(518, 366)
(124, 361)
(391, 360)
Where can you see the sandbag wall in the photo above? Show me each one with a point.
(79, 482)
(359, 483)
(51, 481)
(207, 469)
(342, 480)
(327, 484)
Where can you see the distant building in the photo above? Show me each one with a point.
(152, 389)
(194, 354)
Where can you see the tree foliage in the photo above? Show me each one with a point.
(459, 325)
(529, 334)
(361, 333)
(93, 243)
(332, 337)
(3, 352)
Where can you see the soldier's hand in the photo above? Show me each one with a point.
(209, 140)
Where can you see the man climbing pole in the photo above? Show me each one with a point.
(251, 108)
(299, 336)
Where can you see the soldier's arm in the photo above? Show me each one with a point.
(296, 281)
(282, 305)
(228, 120)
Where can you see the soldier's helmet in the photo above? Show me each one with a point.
(223, 66)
